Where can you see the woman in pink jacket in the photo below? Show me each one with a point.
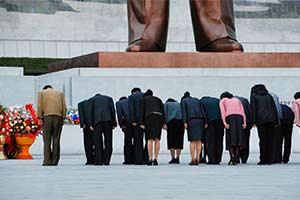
(234, 120)
(296, 108)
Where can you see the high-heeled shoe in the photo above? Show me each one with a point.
(149, 163)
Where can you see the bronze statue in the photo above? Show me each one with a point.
(213, 23)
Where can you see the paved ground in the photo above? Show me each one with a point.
(73, 180)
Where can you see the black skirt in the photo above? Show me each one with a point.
(195, 129)
(234, 135)
(175, 130)
(153, 126)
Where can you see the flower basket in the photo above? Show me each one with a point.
(24, 142)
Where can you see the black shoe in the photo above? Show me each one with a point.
(177, 161)
(48, 165)
(172, 161)
(234, 162)
(261, 163)
(149, 163)
(285, 162)
(155, 163)
(98, 164)
(230, 162)
(203, 161)
(88, 163)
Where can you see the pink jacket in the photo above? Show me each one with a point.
(296, 108)
(231, 106)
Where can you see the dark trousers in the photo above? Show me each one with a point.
(277, 145)
(89, 146)
(103, 152)
(52, 126)
(214, 141)
(286, 136)
(244, 153)
(266, 139)
(139, 153)
(128, 144)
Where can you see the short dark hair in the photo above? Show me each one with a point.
(148, 93)
(171, 100)
(297, 95)
(122, 98)
(47, 86)
(226, 95)
(134, 90)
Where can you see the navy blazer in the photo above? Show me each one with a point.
(212, 108)
(247, 109)
(287, 114)
(134, 104)
(123, 112)
(102, 110)
(192, 108)
(84, 113)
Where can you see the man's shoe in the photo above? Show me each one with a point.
(203, 161)
(261, 163)
(223, 45)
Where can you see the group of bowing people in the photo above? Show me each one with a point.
(143, 115)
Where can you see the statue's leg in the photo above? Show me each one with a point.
(213, 22)
(147, 25)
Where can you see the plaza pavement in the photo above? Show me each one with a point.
(28, 180)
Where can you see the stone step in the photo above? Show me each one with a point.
(179, 60)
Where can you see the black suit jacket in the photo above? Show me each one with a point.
(84, 113)
(102, 110)
(123, 112)
(134, 104)
(151, 104)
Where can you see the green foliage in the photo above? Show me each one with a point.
(32, 66)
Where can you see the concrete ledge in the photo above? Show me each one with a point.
(11, 71)
(180, 60)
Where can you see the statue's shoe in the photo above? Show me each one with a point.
(143, 45)
(223, 45)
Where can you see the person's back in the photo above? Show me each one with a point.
(102, 109)
(212, 108)
(191, 108)
(52, 111)
(51, 102)
(287, 114)
(151, 104)
(134, 107)
(262, 106)
(172, 111)
(123, 111)
(247, 108)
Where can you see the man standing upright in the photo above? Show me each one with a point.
(103, 122)
(85, 123)
(135, 119)
(124, 123)
(51, 112)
